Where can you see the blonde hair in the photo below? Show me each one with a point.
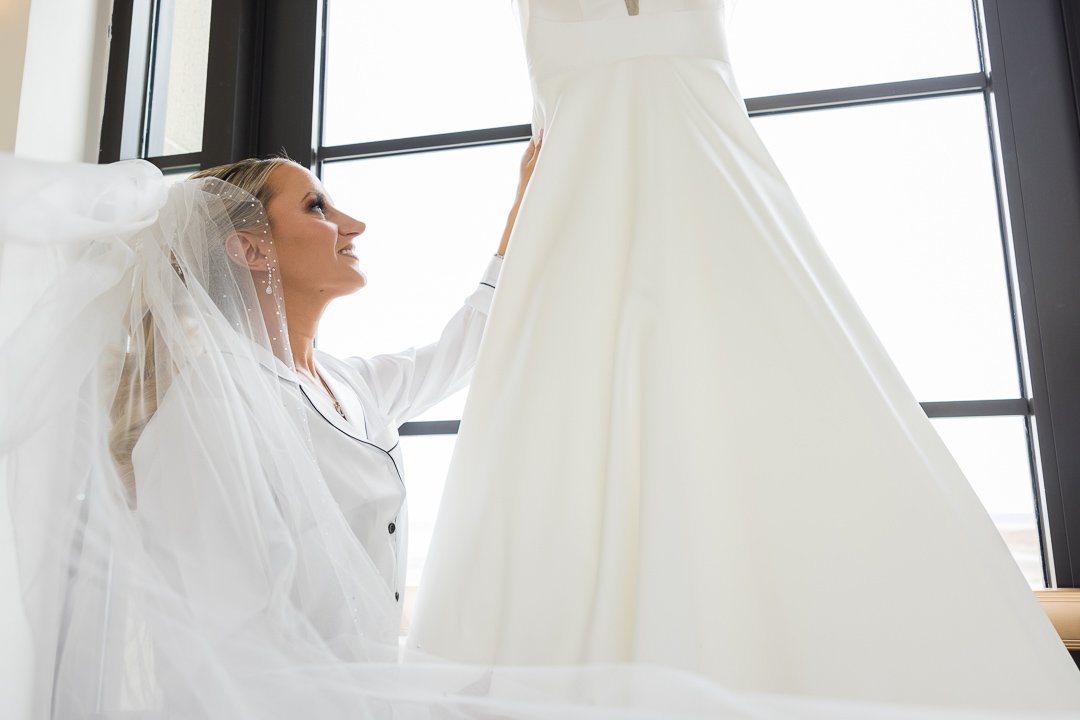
(251, 175)
(133, 408)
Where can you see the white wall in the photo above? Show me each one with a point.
(53, 62)
(14, 16)
(62, 91)
(14, 634)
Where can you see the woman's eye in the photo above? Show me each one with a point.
(318, 207)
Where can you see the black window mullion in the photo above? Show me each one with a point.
(867, 94)
(421, 428)
(261, 80)
(290, 76)
(770, 105)
(1035, 118)
(426, 143)
(1070, 12)
(112, 121)
(230, 117)
(157, 75)
(177, 163)
(126, 85)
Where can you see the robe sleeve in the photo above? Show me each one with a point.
(407, 383)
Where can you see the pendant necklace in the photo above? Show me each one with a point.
(329, 394)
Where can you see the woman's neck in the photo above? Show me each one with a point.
(303, 323)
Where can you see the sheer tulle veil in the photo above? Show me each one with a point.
(179, 553)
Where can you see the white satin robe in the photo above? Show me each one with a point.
(360, 455)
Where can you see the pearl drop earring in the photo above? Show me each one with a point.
(269, 276)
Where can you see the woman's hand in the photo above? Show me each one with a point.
(528, 162)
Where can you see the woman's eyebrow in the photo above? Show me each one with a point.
(318, 195)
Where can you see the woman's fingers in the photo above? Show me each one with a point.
(535, 143)
(528, 160)
(534, 148)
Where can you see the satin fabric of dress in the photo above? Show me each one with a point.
(684, 443)
(220, 578)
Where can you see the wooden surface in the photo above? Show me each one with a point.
(1063, 607)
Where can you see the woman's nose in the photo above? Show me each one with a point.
(348, 226)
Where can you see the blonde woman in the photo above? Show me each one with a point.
(197, 490)
(355, 406)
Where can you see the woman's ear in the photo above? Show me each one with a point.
(246, 250)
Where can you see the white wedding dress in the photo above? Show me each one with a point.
(183, 548)
(684, 444)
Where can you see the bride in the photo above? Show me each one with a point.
(209, 513)
(353, 407)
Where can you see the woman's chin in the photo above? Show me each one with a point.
(357, 275)
(343, 288)
(358, 282)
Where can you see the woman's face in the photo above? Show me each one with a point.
(313, 240)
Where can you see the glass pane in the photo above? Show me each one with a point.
(786, 46)
(434, 220)
(427, 458)
(993, 453)
(397, 69)
(179, 84)
(902, 197)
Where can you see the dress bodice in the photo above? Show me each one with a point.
(563, 35)
(586, 10)
(569, 36)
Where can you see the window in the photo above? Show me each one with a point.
(902, 197)
(157, 82)
(397, 70)
(895, 124)
(847, 43)
(902, 194)
(178, 89)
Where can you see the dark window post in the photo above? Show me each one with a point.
(126, 83)
(261, 85)
(1035, 111)
(291, 80)
(233, 69)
